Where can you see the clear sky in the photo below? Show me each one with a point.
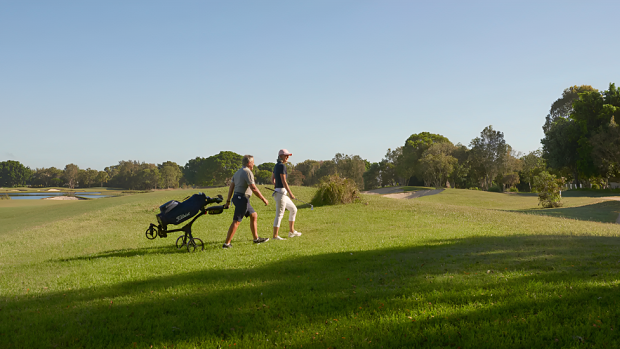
(96, 82)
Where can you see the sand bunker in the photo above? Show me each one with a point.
(397, 193)
(62, 198)
(53, 190)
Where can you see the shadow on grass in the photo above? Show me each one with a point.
(604, 212)
(487, 292)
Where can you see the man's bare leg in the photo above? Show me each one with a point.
(254, 224)
(231, 231)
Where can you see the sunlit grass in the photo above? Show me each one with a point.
(458, 269)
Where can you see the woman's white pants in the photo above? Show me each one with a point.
(283, 202)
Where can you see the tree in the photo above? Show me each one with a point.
(567, 139)
(45, 177)
(389, 166)
(170, 174)
(221, 167)
(606, 149)
(563, 106)
(533, 164)
(488, 152)
(87, 177)
(71, 175)
(149, 176)
(510, 166)
(311, 170)
(549, 189)
(294, 177)
(459, 175)
(102, 177)
(407, 164)
(372, 176)
(215, 170)
(266, 166)
(350, 166)
(13, 174)
(262, 176)
(437, 164)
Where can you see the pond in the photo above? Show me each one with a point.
(44, 195)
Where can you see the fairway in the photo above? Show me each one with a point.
(462, 268)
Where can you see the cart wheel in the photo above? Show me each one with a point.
(195, 243)
(181, 241)
(150, 233)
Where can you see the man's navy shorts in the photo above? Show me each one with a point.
(242, 207)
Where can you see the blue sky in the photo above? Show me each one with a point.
(96, 82)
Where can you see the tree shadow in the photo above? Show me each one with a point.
(604, 212)
(460, 292)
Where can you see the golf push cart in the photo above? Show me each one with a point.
(175, 212)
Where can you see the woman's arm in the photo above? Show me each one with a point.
(285, 183)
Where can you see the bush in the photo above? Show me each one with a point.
(513, 190)
(496, 189)
(5, 197)
(474, 188)
(549, 189)
(334, 190)
(595, 186)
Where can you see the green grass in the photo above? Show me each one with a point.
(459, 269)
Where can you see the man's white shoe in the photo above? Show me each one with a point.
(293, 234)
(279, 238)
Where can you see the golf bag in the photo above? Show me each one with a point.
(175, 212)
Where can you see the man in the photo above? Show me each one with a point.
(283, 196)
(241, 188)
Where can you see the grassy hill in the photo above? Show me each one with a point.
(458, 269)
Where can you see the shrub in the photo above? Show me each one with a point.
(596, 186)
(5, 197)
(496, 189)
(474, 188)
(549, 189)
(334, 190)
(513, 190)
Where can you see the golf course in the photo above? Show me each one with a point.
(458, 269)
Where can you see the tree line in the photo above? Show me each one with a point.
(581, 144)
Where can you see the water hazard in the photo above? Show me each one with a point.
(45, 195)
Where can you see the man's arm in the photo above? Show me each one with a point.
(258, 193)
(231, 189)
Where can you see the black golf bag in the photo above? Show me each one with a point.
(175, 212)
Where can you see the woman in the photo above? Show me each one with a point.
(283, 196)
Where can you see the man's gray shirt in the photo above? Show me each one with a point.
(242, 180)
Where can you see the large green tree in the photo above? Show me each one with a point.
(87, 178)
(170, 174)
(351, 167)
(71, 174)
(459, 176)
(437, 163)
(567, 138)
(533, 164)
(13, 174)
(563, 106)
(606, 149)
(46, 177)
(488, 152)
(215, 170)
(409, 159)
